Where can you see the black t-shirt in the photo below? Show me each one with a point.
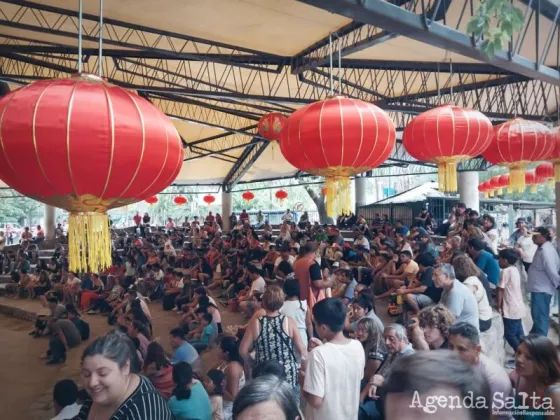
(285, 267)
(315, 272)
(426, 278)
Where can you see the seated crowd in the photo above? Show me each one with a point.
(314, 345)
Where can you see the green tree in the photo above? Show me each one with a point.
(16, 208)
(495, 22)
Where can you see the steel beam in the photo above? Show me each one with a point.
(396, 19)
(245, 161)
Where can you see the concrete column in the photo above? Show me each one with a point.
(226, 210)
(557, 199)
(360, 186)
(468, 189)
(50, 221)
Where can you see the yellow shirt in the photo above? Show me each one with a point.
(411, 270)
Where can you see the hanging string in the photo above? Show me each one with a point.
(451, 77)
(100, 59)
(331, 66)
(80, 65)
(438, 89)
(339, 67)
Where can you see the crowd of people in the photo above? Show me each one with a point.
(314, 343)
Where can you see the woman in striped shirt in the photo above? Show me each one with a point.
(116, 390)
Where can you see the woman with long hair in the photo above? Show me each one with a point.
(537, 374)
(274, 337)
(158, 369)
(297, 309)
(189, 399)
(371, 337)
(232, 366)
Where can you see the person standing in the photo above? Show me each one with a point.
(542, 280)
(331, 380)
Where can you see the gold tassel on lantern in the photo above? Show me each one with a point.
(89, 242)
(533, 189)
(447, 175)
(556, 171)
(338, 197)
(517, 178)
(486, 195)
(550, 182)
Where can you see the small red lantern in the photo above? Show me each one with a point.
(271, 125)
(517, 143)
(494, 185)
(180, 200)
(504, 183)
(152, 200)
(545, 173)
(281, 195)
(209, 199)
(248, 196)
(531, 181)
(483, 188)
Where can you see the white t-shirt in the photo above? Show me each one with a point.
(528, 248)
(291, 260)
(258, 285)
(484, 308)
(288, 216)
(297, 310)
(334, 372)
(364, 242)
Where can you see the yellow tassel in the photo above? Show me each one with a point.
(447, 176)
(550, 182)
(486, 195)
(517, 178)
(533, 189)
(338, 197)
(89, 242)
(557, 171)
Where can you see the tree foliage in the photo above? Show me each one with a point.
(495, 22)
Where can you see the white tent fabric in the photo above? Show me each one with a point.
(420, 193)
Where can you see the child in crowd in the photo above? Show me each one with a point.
(214, 385)
(65, 396)
(206, 336)
(510, 300)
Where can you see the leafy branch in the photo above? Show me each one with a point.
(496, 21)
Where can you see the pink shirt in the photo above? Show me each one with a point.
(513, 305)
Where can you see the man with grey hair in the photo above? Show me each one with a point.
(456, 296)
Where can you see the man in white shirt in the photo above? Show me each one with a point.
(361, 240)
(288, 216)
(247, 304)
(65, 395)
(331, 379)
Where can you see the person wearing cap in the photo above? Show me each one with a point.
(543, 280)
(517, 233)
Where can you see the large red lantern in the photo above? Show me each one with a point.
(517, 143)
(545, 173)
(86, 146)
(281, 195)
(338, 138)
(531, 181)
(447, 135)
(208, 199)
(554, 155)
(152, 200)
(271, 125)
(180, 200)
(248, 196)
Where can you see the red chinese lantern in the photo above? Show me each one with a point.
(152, 200)
(248, 196)
(504, 183)
(494, 185)
(271, 125)
(554, 155)
(447, 135)
(180, 200)
(86, 146)
(208, 199)
(531, 181)
(517, 143)
(545, 173)
(281, 195)
(483, 188)
(338, 138)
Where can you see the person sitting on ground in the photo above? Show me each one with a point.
(65, 397)
(425, 293)
(189, 399)
(431, 331)
(371, 336)
(484, 260)
(405, 275)
(206, 337)
(57, 311)
(214, 386)
(247, 303)
(346, 290)
(82, 326)
(158, 369)
(184, 352)
(65, 336)
(363, 307)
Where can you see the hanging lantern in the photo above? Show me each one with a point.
(554, 155)
(447, 135)
(271, 125)
(208, 199)
(483, 188)
(504, 183)
(180, 200)
(517, 143)
(338, 138)
(86, 146)
(281, 195)
(152, 200)
(248, 196)
(494, 185)
(545, 173)
(531, 181)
